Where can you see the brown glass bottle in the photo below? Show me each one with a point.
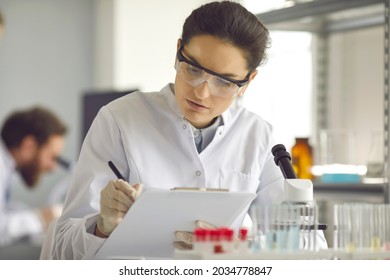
(302, 158)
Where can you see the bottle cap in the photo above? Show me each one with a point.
(215, 235)
(200, 234)
(243, 235)
(227, 234)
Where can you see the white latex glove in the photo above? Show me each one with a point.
(185, 238)
(115, 200)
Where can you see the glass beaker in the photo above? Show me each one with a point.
(375, 158)
(338, 156)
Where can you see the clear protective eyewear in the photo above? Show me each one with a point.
(195, 75)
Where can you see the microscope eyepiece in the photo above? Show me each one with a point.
(63, 162)
(282, 159)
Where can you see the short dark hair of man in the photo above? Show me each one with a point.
(1, 19)
(37, 122)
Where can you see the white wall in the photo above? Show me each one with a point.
(356, 90)
(282, 92)
(146, 34)
(103, 44)
(53, 50)
(46, 58)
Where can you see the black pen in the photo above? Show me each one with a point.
(115, 170)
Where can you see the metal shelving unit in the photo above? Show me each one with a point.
(324, 17)
(386, 106)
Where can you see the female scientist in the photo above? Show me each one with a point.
(192, 133)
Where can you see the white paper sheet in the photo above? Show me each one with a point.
(148, 229)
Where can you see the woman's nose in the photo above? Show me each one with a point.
(203, 90)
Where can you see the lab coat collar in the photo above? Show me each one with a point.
(168, 91)
(227, 116)
(6, 157)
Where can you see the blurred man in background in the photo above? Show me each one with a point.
(31, 142)
(1, 25)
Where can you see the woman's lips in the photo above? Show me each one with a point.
(195, 106)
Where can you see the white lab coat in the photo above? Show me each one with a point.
(14, 223)
(150, 142)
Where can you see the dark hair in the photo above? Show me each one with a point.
(37, 121)
(1, 19)
(232, 23)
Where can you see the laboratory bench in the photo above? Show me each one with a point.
(28, 248)
(326, 254)
(23, 250)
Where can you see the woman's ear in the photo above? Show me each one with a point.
(178, 44)
(251, 77)
(177, 49)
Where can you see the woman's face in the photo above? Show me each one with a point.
(196, 103)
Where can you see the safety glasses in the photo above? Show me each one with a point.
(195, 75)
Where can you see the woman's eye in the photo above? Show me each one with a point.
(194, 70)
(223, 83)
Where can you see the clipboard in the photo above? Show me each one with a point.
(148, 229)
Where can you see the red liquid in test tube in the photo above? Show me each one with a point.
(243, 240)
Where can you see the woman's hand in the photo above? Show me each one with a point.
(115, 200)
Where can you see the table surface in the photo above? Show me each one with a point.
(25, 249)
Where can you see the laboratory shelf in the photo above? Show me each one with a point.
(299, 255)
(323, 18)
(332, 193)
(326, 16)
(349, 187)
